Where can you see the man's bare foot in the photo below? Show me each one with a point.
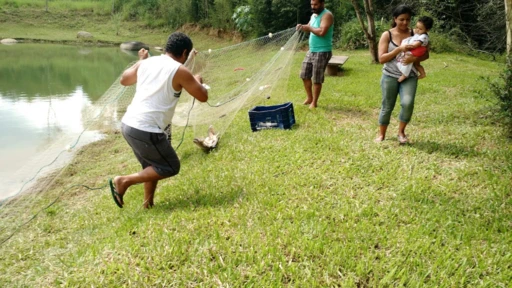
(402, 78)
(307, 101)
(379, 139)
(312, 106)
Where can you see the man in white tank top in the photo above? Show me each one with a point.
(159, 80)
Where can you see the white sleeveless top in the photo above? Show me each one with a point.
(155, 100)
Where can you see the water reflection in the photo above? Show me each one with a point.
(43, 91)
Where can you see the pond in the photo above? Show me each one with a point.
(43, 90)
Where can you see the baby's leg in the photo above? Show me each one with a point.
(421, 71)
(402, 78)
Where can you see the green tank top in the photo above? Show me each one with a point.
(317, 43)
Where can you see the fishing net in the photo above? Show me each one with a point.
(238, 76)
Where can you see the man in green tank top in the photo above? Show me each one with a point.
(320, 28)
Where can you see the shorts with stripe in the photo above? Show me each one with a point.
(152, 149)
(313, 66)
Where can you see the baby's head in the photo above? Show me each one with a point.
(423, 25)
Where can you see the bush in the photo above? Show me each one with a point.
(353, 37)
(11, 4)
(453, 41)
(501, 88)
(243, 19)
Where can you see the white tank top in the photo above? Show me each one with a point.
(155, 100)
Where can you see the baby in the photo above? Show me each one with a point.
(416, 46)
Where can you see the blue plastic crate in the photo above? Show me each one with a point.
(268, 117)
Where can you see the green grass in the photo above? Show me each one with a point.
(316, 206)
(101, 6)
(36, 25)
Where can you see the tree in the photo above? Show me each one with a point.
(508, 18)
(369, 31)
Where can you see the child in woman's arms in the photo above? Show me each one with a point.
(417, 46)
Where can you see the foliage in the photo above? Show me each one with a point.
(482, 23)
(353, 37)
(116, 22)
(221, 16)
(243, 19)
(101, 7)
(446, 42)
(501, 89)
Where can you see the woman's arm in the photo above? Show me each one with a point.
(384, 55)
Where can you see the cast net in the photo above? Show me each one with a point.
(238, 76)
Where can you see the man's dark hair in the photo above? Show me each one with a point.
(427, 22)
(399, 10)
(177, 43)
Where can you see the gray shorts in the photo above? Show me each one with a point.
(313, 66)
(152, 149)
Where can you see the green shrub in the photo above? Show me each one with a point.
(501, 89)
(9, 4)
(243, 19)
(353, 37)
(447, 42)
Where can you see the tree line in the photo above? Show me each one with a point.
(477, 25)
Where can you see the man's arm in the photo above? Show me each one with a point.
(129, 76)
(193, 84)
(299, 26)
(325, 24)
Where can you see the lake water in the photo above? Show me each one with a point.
(43, 90)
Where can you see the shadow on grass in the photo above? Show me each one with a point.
(351, 111)
(448, 149)
(341, 112)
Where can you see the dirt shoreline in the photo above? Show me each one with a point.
(69, 42)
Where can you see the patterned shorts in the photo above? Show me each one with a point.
(313, 66)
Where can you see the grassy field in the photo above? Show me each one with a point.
(320, 205)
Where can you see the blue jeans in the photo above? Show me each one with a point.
(390, 90)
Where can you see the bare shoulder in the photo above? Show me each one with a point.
(384, 38)
(183, 72)
(181, 77)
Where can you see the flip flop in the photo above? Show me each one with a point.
(115, 195)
